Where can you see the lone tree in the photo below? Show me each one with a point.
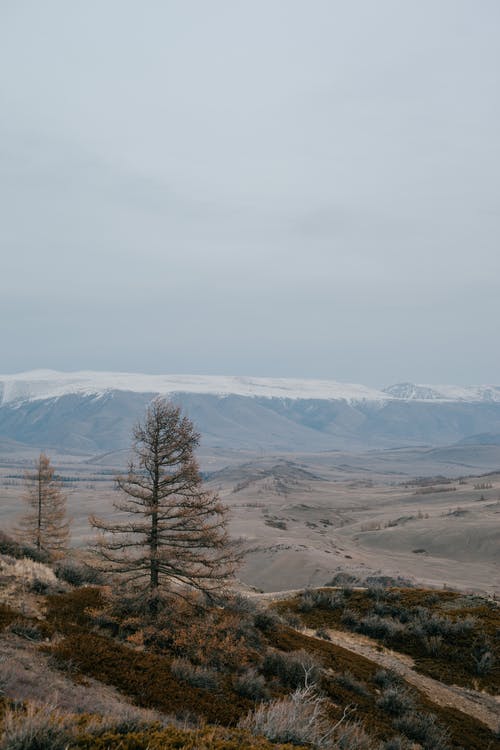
(172, 531)
(45, 525)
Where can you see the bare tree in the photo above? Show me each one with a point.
(171, 531)
(45, 525)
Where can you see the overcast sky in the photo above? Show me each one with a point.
(263, 187)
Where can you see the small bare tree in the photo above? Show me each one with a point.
(172, 531)
(45, 525)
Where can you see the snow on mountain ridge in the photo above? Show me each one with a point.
(45, 384)
(472, 393)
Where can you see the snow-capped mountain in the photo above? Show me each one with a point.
(470, 394)
(43, 384)
(93, 412)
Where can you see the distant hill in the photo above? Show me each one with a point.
(89, 412)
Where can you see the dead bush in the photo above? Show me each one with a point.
(302, 718)
(299, 718)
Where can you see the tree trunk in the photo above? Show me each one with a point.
(39, 518)
(154, 567)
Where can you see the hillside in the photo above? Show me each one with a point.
(82, 668)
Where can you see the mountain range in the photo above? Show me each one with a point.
(91, 412)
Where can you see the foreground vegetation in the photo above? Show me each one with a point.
(451, 637)
(212, 675)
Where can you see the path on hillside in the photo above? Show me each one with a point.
(485, 708)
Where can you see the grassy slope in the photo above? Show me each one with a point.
(465, 731)
(147, 679)
(453, 662)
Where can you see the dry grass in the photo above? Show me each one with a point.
(42, 727)
(35, 728)
(29, 573)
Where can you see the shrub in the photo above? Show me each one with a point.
(342, 579)
(294, 669)
(350, 618)
(302, 718)
(26, 629)
(320, 598)
(350, 736)
(395, 700)
(126, 720)
(34, 576)
(216, 639)
(424, 729)
(423, 622)
(290, 618)
(349, 682)
(383, 679)
(380, 627)
(9, 546)
(323, 633)
(299, 718)
(484, 662)
(376, 591)
(464, 627)
(306, 603)
(266, 620)
(251, 684)
(433, 644)
(78, 574)
(201, 677)
(238, 603)
(398, 743)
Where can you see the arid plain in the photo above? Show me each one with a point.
(428, 515)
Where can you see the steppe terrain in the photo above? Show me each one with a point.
(428, 515)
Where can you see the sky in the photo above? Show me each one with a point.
(273, 188)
